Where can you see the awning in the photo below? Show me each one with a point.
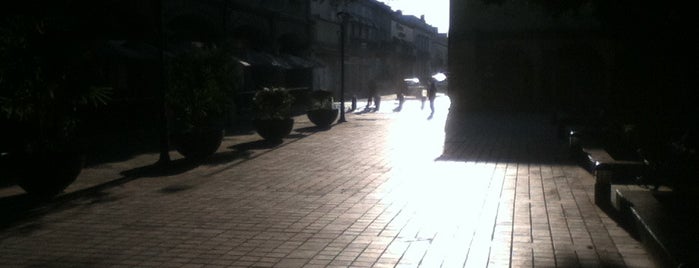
(260, 59)
(300, 62)
(285, 61)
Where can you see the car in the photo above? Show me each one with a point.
(413, 87)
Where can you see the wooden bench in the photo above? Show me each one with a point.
(608, 171)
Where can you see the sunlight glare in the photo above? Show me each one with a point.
(436, 204)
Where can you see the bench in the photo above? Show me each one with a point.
(609, 171)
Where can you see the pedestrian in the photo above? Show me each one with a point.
(401, 88)
(373, 95)
(431, 95)
(377, 100)
(368, 102)
(423, 92)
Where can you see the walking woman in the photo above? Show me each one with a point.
(431, 95)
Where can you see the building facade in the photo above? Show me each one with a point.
(270, 38)
(439, 52)
(381, 45)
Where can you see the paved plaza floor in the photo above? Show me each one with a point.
(385, 189)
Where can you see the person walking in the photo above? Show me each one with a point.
(431, 95)
(373, 95)
(401, 88)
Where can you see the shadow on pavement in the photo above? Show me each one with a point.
(296, 136)
(509, 138)
(571, 259)
(121, 146)
(11, 206)
(313, 129)
(222, 158)
(14, 209)
(256, 145)
(176, 188)
(18, 208)
(174, 167)
(117, 147)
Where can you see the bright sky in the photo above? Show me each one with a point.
(436, 11)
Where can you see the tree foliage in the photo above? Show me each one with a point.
(201, 85)
(45, 78)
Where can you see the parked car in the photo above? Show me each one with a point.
(413, 87)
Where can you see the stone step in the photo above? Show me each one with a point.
(664, 222)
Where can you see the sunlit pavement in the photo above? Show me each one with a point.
(380, 190)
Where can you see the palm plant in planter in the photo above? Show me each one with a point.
(273, 113)
(44, 84)
(200, 88)
(321, 111)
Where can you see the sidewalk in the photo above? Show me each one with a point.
(380, 190)
(246, 142)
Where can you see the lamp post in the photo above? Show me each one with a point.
(164, 147)
(343, 29)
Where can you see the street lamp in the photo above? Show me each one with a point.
(343, 29)
(164, 147)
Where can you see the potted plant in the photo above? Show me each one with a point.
(200, 89)
(321, 111)
(45, 82)
(273, 113)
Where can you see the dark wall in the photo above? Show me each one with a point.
(634, 59)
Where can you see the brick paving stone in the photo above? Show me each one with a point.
(382, 190)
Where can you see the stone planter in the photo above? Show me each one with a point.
(274, 129)
(46, 174)
(198, 143)
(322, 117)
